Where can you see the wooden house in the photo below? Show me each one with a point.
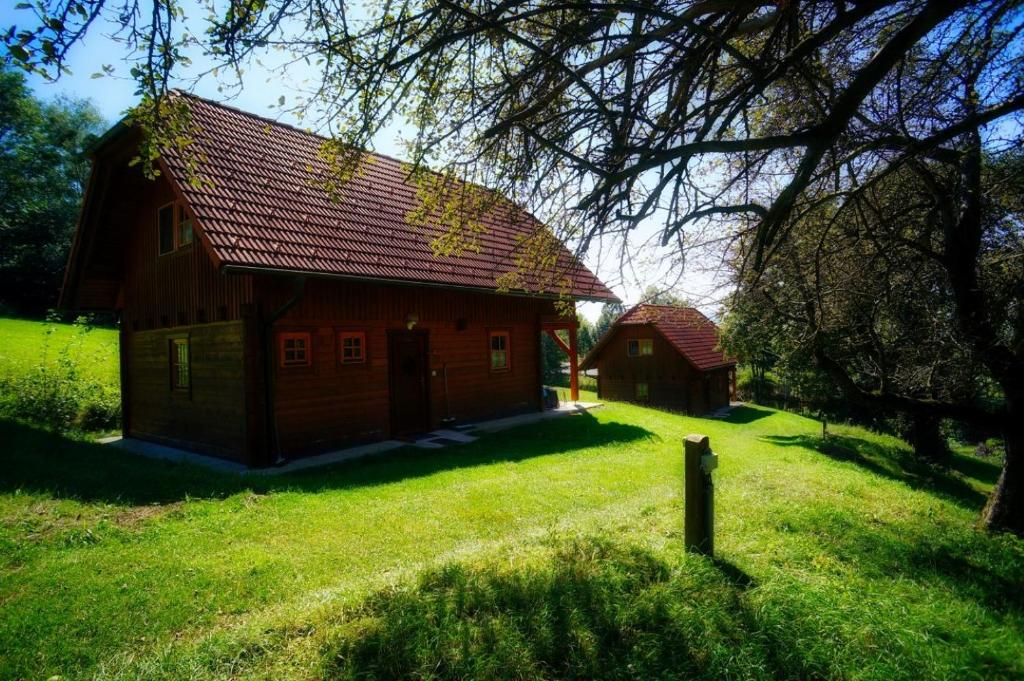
(665, 356)
(263, 318)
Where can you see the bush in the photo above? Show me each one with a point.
(56, 394)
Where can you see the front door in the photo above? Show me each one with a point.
(408, 367)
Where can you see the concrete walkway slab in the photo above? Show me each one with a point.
(447, 436)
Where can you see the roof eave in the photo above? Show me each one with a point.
(283, 271)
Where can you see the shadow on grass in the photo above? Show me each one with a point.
(594, 610)
(747, 414)
(41, 461)
(600, 609)
(899, 464)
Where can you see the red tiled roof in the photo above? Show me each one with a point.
(263, 211)
(687, 330)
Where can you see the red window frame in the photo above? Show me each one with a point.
(358, 348)
(301, 356)
(506, 349)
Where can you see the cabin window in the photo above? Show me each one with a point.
(294, 349)
(641, 391)
(499, 351)
(184, 227)
(181, 361)
(639, 347)
(175, 227)
(353, 347)
(165, 220)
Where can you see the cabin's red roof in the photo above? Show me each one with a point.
(264, 211)
(687, 330)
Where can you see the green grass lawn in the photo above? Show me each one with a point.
(23, 343)
(552, 550)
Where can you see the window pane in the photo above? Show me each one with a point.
(499, 359)
(184, 232)
(633, 347)
(646, 346)
(165, 219)
(180, 370)
(352, 347)
(641, 390)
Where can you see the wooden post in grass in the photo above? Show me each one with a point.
(699, 501)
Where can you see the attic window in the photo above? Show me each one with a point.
(165, 220)
(639, 347)
(175, 227)
(184, 234)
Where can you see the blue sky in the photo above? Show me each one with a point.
(262, 86)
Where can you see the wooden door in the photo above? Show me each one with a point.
(407, 368)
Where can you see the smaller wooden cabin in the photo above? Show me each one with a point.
(666, 356)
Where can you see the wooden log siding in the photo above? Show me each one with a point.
(331, 404)
(177, 289)
(209, 417)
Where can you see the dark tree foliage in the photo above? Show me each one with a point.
(43, 170)
(609, 313)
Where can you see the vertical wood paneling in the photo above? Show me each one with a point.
(329, 404)
(176, 286)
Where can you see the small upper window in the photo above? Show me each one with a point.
(165, 220)
(639, 347)
(175, 227)
(353, 347)
(294, 349)
(181, 370)
(184, 227)
(499, 350)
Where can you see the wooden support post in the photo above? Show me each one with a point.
(574, 367)
(699, 501)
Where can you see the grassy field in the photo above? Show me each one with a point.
(552, 551)
(23, 343)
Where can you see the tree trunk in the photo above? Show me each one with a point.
(1005, 509)
(926, 438)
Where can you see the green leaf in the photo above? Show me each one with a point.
(280, 100)
(19, 52)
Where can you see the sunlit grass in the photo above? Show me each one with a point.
(552, 550)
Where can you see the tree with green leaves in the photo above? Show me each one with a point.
(609, 313)
(672, 116)
(43, 172)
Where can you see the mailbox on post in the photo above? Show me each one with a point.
(699, 499)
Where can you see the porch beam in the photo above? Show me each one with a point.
(558, 340)
(574, 367)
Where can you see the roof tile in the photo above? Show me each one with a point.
(685, 328)
(262, 211)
